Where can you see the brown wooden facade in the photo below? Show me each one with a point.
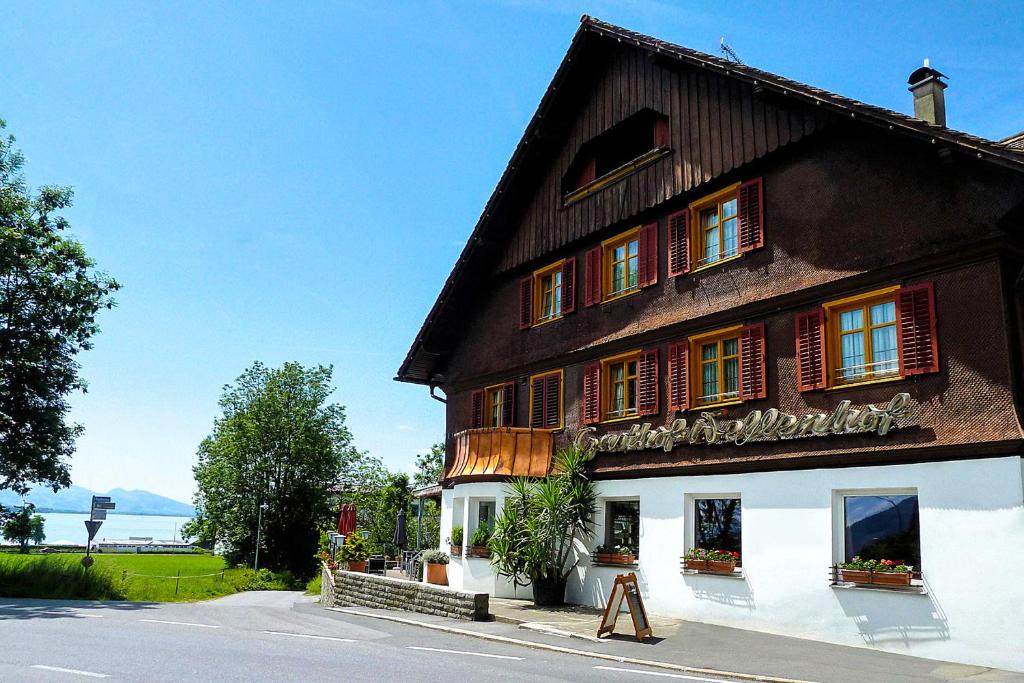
(854, 199)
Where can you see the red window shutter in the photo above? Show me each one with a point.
(592, 277)
(678, 374)
(679, 243)
(569, 285)
(587, 173)
(648, 261)
(661, 133)
(916, 334)
(752, 362)
(552, 401)
(525, 302)
(476, 412)
(508, 404)
(647, 381)
(537, 402)
(591, 405)
(750, 208)
(810, 350)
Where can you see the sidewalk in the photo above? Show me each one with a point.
(691, 646)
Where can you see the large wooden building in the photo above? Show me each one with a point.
(787, 323)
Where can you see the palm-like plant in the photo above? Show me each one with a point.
(534, 535)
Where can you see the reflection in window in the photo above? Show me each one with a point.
(883, 527)
(717, 523)
(622, 526)
(485, 514)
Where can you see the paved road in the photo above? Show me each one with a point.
(264, 636)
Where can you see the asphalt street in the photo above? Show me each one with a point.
(265, 636)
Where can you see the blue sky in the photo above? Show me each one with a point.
(294, 183)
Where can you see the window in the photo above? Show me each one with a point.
(548, 294)
(495, 406)
(865, 337)
(485, 514)
(716, 228)
(621, 265)
(717, 523)
(719, 371)
(620, 389)
(546, 400)
(879, 525)
(622, 524)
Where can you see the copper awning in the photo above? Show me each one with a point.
(501, 451)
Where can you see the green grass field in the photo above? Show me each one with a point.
(150, 578)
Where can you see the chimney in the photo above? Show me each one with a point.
(929, 101)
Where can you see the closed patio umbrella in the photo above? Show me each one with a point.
(400, 539)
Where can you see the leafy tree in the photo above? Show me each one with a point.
(38, 529)
(50, 294)
(428, 466)
(281, 443)
(18, 527)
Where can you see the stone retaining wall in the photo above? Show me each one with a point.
(348, 589)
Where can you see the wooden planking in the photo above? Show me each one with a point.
(717, 124)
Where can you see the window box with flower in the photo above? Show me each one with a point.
(876, 572)
(607, 554)
(714, 561)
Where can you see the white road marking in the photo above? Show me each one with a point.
(460, 652)
(306, 635)
(78, 672)
(663, 675)
(178, 623)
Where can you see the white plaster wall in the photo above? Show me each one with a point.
(972, 548)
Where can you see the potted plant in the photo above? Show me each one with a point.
(878, 572)
(696, 559)
(326, 558)
(723, 561)
(355, 551)
(609, 554)
(437, 569)
(540, 523)
(456, 540)
(478, 544)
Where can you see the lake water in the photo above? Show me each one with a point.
(68, 527)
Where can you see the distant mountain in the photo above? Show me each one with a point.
(78, 498)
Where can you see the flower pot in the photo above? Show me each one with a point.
(357, 566)
(457, 550)
(614, 558)
(437, 574)
(479, 551)
(891, 578)
(696, 565)
(723, 566)
(855, 576)
(548, 592)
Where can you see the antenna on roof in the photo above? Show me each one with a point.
(729, 53)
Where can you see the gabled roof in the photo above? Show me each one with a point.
(419, 365)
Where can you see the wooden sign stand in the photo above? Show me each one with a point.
(625, 586)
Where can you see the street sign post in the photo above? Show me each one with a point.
(97, 513)
(92, 527)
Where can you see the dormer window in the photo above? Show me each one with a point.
(622, 149)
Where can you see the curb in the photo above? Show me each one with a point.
(568, 650)
(540, 627)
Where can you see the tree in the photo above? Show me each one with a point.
(428, 466)
(38, 529)
(50, 294)
(18, 527)
(281, 443)
(541, 521)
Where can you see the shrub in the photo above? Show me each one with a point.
(435, 557)
(482, 535)
(457, 535)
(355, 549)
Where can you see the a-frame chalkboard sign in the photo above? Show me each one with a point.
(625, 586)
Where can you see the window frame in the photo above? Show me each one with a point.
(696, 235)
(839, 518)
(561, 396)
(607, 247)
(833, 311)
(489, 404)
(538, 303)
(607, 503)
(690, 518)
(604, 390)
(695, 371)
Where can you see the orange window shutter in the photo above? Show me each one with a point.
(752, 362)
(591, 404)
(810, 350)
(678, 374)
(916, 333)
(647, 266)
(476, 412)
(525, 302)
(569, 285)
(750, 207)
(647, 381)
(508, 404)
(592, 277)
(679, 243)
